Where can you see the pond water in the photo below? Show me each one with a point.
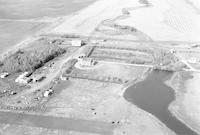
(153, 96)
(13, 31)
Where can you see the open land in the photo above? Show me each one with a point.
(186, 105)
(77, 72)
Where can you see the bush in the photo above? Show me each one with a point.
(70, 65)
(23, 60)
(146, 2)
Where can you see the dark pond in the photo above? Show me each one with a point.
(153, 96)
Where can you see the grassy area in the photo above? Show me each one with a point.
(123, 55)
(186, 106)
(103, 72)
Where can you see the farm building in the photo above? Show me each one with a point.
(66, 42)
(86, 52)
(48, 93)
(4, 75)
(63, 78)
(87, 62)
(38, 78)
(23, 78)
(56, 41)
(76, 42)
